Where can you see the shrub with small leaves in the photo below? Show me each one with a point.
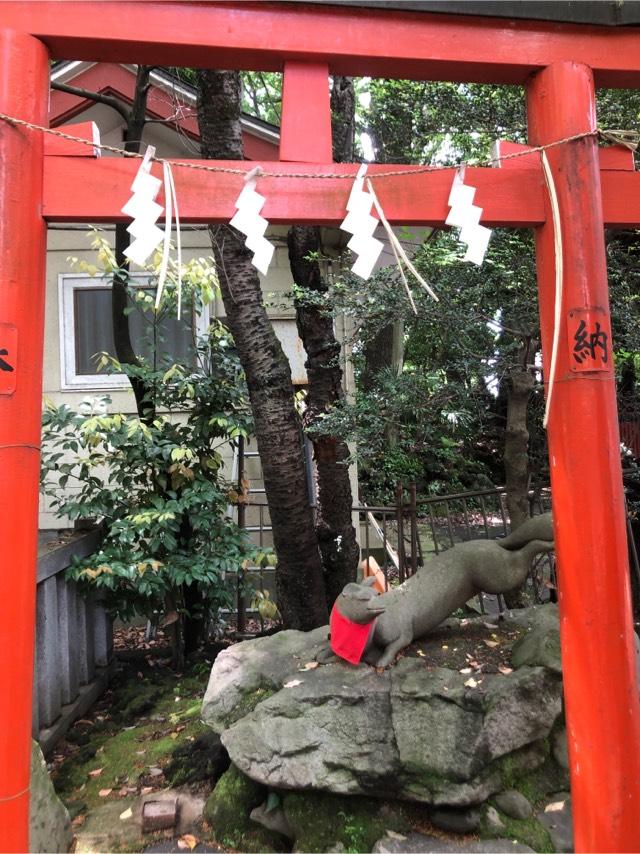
(156, 486)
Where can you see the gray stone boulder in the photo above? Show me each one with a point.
(49, 825)
(418, 843)
(409, 732)
(514, 804)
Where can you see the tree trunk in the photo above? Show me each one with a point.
(334, 528)
(336, 534)
(516, 457)
(516, 447)
(299, 582)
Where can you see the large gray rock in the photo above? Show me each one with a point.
(417, 843)
(410, 732)
(557, 818)
(49, 825)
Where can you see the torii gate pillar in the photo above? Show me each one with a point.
(24, 85)
(598, 654)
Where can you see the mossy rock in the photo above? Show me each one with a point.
(527, 831)
(536, 783)
(227, 812)
(321, 821)
(204, 759)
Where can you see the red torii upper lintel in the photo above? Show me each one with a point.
(557, 64)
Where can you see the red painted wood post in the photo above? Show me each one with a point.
(600, 686)
(24, 82)
(305, 129)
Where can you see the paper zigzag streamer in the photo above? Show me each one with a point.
(361, 224)
(144, 211)
(248, 220)
(466, 216)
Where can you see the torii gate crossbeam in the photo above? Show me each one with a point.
(558, 64)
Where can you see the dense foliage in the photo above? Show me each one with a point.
(169, 546)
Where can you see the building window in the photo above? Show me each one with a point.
(86, 330)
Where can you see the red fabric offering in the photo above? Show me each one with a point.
(348, 639)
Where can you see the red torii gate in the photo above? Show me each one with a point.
(558, 64)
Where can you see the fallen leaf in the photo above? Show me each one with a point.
(174, 735)
(156, 772)
(123, 792)
(466, 670)
(126, 814)
(190, 840)
(140, 752)
(181, 727)
(556, 806)
(146, 790)
(491, 644)
(490, 625)
(182, 845)
(471, 683)
(505, 670)
(96, 772)
(293, 683)
(310, 665)
(104, 793)
(393, 835)
(421, 653)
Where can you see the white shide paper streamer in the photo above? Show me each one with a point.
(247, 219)
(144, 211)
(466, 216)
(360, 223)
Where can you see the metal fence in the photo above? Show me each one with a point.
(74, 643)
(400, 537)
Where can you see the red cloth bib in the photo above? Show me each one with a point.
(348, 639)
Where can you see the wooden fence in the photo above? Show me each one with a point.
(74, 644)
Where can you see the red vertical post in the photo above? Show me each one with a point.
(305, 128)
(24, 81)
(598, 656)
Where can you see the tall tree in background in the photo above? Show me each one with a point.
(299, 574)
(334, 527)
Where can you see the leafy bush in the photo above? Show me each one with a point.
(169, 546)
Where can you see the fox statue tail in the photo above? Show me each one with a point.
(536, 528)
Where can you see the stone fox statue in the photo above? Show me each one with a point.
(374, 628)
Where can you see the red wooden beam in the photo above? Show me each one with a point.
(56, 146)
(598, 650)
(305, 129)
(378, 42)
(508, 197)
(25, 76)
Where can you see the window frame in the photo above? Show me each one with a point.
(68, 283)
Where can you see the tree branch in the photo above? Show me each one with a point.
(98, 97)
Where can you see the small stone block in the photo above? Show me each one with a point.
(159, 815)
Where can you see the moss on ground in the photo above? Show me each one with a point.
(321, 820)
(227, 813)
(147, 714)
(527, 831)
